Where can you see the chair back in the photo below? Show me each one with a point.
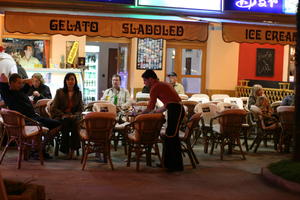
(245, 101)
(183, 96)
(191, 125)
(40, 107)
(208, 110)
(140, 105)
(202, 96)
(142, 96)
(275, 105)
(14, 122)
(147, 127)
(236, 101)
(221, 106)
(105, 107)
(99, 126)
(199, 99)
(287, 119)
(190, 105)
(48, 107)
(89, 106)
(219, 97)
(231, 122)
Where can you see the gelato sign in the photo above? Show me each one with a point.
(104, 26)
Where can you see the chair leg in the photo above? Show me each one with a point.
(191, 158)
(138, 155)
(4, 151)
(83, 150)
(222, 149)
(245, 133)
(20, 149)
(85, 157)
(190, 148)
(156, 149)
(129, 155)
(109, 156)
(240, 146)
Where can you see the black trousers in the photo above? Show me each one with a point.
(70, 142)
(172, 148)
(47, 122)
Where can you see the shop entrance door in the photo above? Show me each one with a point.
(188, 61)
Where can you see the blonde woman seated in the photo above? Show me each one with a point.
(67, 107)
(256, 91)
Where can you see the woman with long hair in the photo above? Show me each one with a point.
(67, 107)
(255, 93)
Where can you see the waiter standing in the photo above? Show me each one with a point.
(172, 103)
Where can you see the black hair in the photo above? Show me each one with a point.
(117, 75)
(14, 78)
(149, 73)
(68, 75)
(26, 46)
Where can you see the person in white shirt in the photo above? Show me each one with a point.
(7, 63)
(28, 61)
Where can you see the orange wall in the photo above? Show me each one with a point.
(247, 62)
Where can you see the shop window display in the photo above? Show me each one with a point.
(39, 50)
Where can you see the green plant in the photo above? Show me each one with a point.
(287, 169)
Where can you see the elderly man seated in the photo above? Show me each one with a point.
(173, 81)
(117, 95)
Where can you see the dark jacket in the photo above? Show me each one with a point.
(17, 100)
(22, 71)
(60, 102)
(44, 91)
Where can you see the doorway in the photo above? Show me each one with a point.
(188, 62)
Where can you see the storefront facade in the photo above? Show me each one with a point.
(200, 51)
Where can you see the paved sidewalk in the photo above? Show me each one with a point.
(212, 179)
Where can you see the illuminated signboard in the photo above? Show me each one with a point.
(290, 6)
(215, 5)
(263, 6)
(113, 1)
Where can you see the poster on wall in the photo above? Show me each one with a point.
(149, 54)
(72, 54)
(265, 62)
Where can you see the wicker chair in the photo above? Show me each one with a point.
(287, 121)
(145, 136)
(24, 135)
(40, 107)
(185, 137)
(229, 131)
(264, 132)
(97, 135)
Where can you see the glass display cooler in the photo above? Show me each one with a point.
(90, 90)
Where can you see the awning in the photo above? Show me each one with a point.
(267, 34)
(45, 23)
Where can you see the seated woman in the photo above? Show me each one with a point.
(256, 91)
(67, 107)
(38, 89)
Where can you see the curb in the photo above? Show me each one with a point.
(277, 180)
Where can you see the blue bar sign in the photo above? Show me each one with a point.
(265, 6)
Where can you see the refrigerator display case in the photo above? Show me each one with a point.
(54, 77)
(90, 90)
